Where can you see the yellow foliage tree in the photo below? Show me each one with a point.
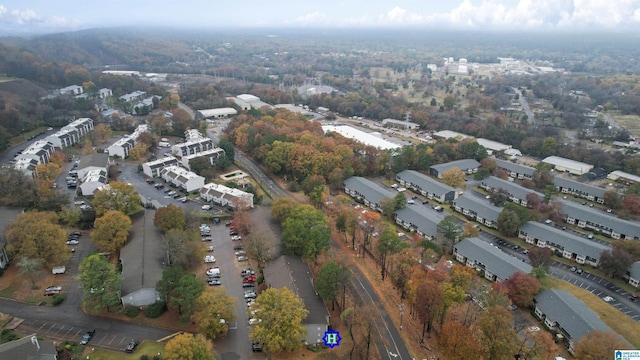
(117, 196)
(103, 132)
(138, 152)
(214, 310)
(454, 177)
(188, 347)
(111, 231)
(49, 171)
(37, 235)
(281, 312)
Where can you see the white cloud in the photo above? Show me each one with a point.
(313, 19)
(25, 16)
(525, 15)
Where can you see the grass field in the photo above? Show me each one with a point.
(614, 318)
(147, 347)
(629, 122)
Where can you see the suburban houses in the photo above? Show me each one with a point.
(418, 219)
(71, 134)
(182, 178)
(597, 220)
(482, 256)
(515, 171)
(566, 315)
(572, 246)
(634, 274)
(292, 273)
(366, 191)
(122, 147)
(469, 166)
(477, 209)
(212, 155)
(586, 191)
(517, 194)
(154, 168)
(192, 146)
(225, 196)
(142, 260)
(426, 186)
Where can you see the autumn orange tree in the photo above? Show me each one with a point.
(599, 344)
(429, 304)
(522, 288)
(458, 342)
(169, 217)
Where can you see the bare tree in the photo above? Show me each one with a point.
(32, 268)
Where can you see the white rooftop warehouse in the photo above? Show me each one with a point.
(361, 136)
(218, 113)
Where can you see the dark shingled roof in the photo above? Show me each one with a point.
(291, 272)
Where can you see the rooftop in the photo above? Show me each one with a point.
(424, 182)
(368, 189)
(364, 137)
(569, 241)
(291, 272)
(494, 260)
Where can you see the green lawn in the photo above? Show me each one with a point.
(148, 347)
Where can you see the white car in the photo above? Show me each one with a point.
(608, 299)
(206, 207)
(209, 259)
(72, 242)
(242, 258)
(254, 321)
(210, 248)
(240, 252)
(236, 237)
(213, 271)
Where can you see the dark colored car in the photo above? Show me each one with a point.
(87, 337)
(256, 346)
(248, 285)
(634, 298)
(132, 345)
(233, 232)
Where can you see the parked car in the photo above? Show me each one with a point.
(228, 223)
(51, 292)
(247, 272)
(240, 252)
(233, 232)
(214, 270)
(238, 247)
(72, 242)
(206, 207)
(634, 298)
(256, 346)
(214, 282)
(209, 259)
(243, 258)
(250, 294)
(608, 299)
(87, 337)
(248, 285)
(53, 288)
(236, 238)
(248, 279)
(132, 345)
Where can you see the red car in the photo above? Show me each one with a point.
(249, 279)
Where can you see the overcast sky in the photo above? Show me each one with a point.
(25, 16)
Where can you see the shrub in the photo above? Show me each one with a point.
(154, 310)
(131, 311)
(157, 357)
(57, 299)
(260, 279)
(144, 357)
(7, 335)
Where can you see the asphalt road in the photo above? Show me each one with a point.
(525, 106)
